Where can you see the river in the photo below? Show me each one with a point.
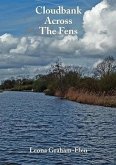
(29, 119)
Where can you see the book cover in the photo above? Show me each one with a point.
(58, 82)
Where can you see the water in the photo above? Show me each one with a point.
(39, 121)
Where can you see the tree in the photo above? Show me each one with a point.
(106, 67)
(57, 73)
(57, 69)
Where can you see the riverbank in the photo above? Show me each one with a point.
(88, 98)
(83, 97)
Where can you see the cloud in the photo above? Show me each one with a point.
(7, 42)
(67, 44)
(36, 46)
(99, 25)
(97, 63)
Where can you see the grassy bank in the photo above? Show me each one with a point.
(86, 97)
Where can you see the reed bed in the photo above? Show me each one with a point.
(86, 97)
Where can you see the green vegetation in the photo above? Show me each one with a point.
(18, 84)
(62, 78)
(70, 82)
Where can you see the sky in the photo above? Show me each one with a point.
(24, 51)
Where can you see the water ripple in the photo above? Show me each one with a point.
(39, 121)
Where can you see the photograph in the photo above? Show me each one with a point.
(58, 82)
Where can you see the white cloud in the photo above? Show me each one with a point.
(67, 44)
(97, 63)
(99, 25)
(7, 42)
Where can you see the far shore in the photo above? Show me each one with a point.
(80, 97)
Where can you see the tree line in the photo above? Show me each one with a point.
(61, 78)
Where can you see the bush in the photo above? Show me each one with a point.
(39, 85)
